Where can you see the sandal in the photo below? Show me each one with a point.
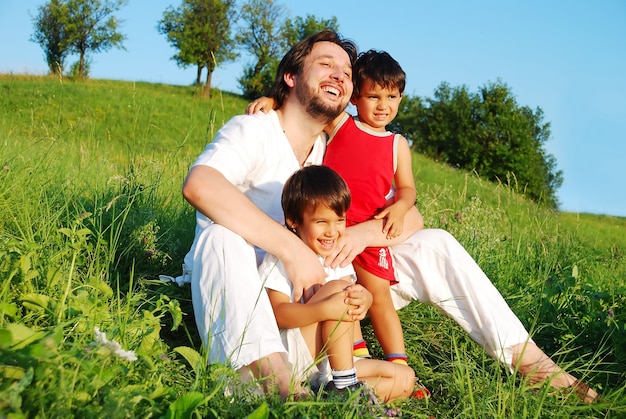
(420, 391)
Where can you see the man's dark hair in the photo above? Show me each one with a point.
(312, 186)
(380, 68)
(293, 61)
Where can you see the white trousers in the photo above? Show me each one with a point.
(237, 325)
(232, 311)
(434, 268)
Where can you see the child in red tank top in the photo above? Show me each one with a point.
(379, 174)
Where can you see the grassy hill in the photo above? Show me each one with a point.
(91, 213)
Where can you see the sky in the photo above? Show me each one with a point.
(566, 57)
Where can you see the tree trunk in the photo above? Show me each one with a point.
(81, 66)
(199, 75)
(207, 86)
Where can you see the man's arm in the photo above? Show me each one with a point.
(209, 192)
(370, 233)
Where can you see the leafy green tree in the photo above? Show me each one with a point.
(77, 27)
(201, 32)
(50, 34)
(260, 36)
(296, 30)
(267, 40)
(487, 132)
(91, 27)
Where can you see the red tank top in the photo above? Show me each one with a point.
(365, 159)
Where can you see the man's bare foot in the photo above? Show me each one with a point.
(584, 392)
(275, 376)
(538, 367)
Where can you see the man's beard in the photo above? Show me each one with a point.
(315, 106)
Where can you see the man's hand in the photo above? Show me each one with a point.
(349, 245)
(370, 233)
(304, 270)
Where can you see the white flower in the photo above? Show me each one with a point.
(127, 355)
(114, 346)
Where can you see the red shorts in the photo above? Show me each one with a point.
(377, 261)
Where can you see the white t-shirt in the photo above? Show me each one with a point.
(303, 366)
(253, 153)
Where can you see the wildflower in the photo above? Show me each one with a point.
(5, 168)
(115, 347)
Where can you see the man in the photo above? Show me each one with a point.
(235, 186)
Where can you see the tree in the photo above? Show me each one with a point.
(267, 40)
(260, 36)
(91, 26)
(77, 27)
(200, 31)
(487, 132)
(50, 34)
(301, 28)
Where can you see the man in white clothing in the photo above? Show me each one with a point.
(235, 186)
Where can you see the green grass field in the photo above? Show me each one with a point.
(91, 213)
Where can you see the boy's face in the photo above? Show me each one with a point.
(377, 106)
(320, 229)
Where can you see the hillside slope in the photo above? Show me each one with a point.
(91, 213)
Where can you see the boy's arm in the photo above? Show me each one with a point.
(209, 192)
(404, 196)
(263, 104)
(290, 315)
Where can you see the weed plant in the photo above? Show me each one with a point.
(91, 213)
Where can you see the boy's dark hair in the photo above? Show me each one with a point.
(312, 186)
(380, 68)
(293, 61)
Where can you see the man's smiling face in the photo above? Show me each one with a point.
(325, 85)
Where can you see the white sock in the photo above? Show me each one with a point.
(344, 378)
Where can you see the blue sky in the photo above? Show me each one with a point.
(566, 57)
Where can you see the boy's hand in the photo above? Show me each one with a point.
(393, 220)
(334, 307)
(262, 104)
(359, 300)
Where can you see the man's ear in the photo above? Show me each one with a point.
(289, 80)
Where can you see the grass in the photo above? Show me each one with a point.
(91, 213)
